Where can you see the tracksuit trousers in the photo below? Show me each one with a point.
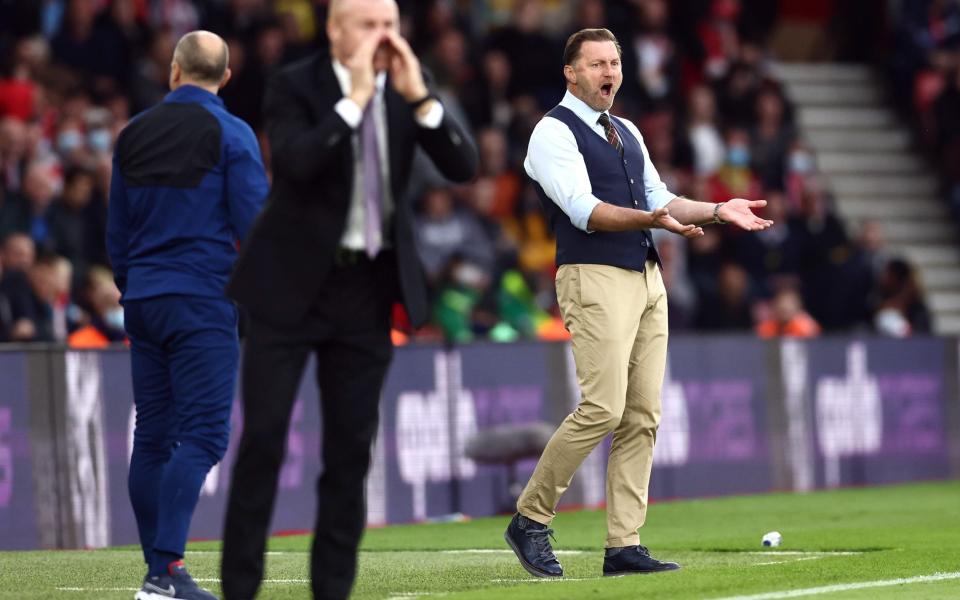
(184, 352)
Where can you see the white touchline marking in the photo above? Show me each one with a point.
(217, 580)
(508, 551)
(789, 560)
(543, 579)
(80, 589)
(801, 552)
(267, 553)
(843, 587)
(493, 551)
(199, 580)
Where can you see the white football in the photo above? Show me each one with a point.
(771, 539)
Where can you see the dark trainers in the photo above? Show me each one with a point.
(633, 559)
(530, 541)
(177, 585)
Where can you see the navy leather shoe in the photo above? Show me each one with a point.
(633, 559)
(530, 541)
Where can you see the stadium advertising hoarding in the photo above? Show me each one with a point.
(740, 416)
(295, 500)
(434, 402)
(713, 441)
(418, 469)
(18, 518)
(875, 411)
(713, 437)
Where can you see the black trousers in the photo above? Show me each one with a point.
(349, 330)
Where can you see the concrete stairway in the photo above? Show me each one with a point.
(865, 151)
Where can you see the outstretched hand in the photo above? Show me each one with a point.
(661, 219)
(738, 212)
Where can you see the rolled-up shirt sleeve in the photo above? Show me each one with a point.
(554, 161)
(658, 195)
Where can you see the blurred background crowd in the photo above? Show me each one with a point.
(925, 72)
(697, 81)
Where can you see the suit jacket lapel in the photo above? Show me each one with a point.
(326, 82)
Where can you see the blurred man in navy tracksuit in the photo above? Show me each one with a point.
(188, 181)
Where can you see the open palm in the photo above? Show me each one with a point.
(663, 220)
(738, 212)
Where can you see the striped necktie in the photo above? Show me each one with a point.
(612, 136)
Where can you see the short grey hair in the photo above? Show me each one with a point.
(197, 60)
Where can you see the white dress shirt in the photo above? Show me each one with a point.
(554, 161)
(354, 233)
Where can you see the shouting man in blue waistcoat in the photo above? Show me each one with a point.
(602, 195)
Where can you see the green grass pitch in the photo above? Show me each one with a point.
(885, 542)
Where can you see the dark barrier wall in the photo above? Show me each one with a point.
(739, 416)
(865, 412)
(18, 522)
(713, 437)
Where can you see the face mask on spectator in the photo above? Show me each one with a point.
(738, 156)
(891, 322)
(99, 140)
(468, 274)
(69, 140)
(801, 162)
(114, 318)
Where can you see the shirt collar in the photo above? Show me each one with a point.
(343, 77)
(581, 109)
(192, 93)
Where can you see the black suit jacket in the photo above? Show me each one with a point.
(291, 247)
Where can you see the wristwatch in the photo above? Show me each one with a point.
(716, 214)
(421, 101)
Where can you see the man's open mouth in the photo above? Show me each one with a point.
(606, 89)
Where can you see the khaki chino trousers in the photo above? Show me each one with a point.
(618, 322)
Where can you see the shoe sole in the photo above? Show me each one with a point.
(523, 563)
(141, 595)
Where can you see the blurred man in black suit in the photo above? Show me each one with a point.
(331, 253)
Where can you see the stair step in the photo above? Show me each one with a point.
(835, 94)
(863, 162)
(916, 230)
(947, 324)
(829, 139)
(904, 187)
(848, 118)
(861, 208)
(866, 152)
(822, 73)
(940, 278)
(944, 301)
(943, 255)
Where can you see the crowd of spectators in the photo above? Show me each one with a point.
(697, 81)
(924, 64)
